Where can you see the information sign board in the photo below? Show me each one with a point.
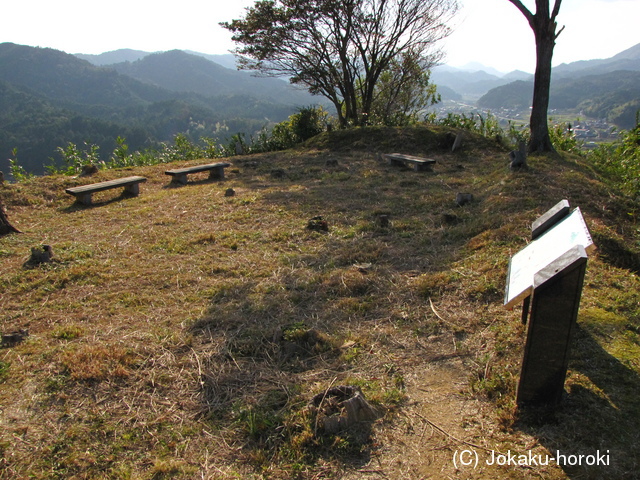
(541, 252)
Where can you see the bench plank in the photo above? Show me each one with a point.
(216, 172)
(420, 164)
(83, 193)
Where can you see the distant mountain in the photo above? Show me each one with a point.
(517, 75)
(605, 88)
(471, 84)
(48, 98)
(115, 56)
(514, 95)
(183, 72)
(614, 96)
(71, 81)
(626, 60)
(479, 67)
(227, 60)
(36, 127)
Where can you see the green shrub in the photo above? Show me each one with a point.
(620, 161)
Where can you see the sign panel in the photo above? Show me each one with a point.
(541, 252)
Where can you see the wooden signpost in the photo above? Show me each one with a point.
(547, 276)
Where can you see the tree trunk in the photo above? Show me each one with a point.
(5, 226)
(545, 41)
(543, 24)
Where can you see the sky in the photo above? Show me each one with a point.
(491, 32)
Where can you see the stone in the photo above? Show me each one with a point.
(318, 224)
(341, 408)
(463, 199)
(332, 162)
(88, 170)
(14, 338)
(518, 158)
(457, 143)
(230, 192)
(382, 221)
(40, 255)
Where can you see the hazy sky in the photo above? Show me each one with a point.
(491, 32)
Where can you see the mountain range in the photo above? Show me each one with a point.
(604, 88)
(49, 98)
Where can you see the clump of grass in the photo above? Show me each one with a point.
(4, 370)
(97, 362)
(68, 332)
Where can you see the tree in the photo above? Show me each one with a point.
(402, 91)
(544, 25)
(340, 48)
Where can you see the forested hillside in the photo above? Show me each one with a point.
(614, 96)
(50, 98)
(183, 72)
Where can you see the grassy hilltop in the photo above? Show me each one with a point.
(182, 333)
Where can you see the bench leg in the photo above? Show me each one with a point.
(133, 189)
(84, 198)
(217, 173)
(423, 167)
(180, 178)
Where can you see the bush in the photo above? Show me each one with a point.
(621, 161)
(306, 123)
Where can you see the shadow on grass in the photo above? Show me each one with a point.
(599, 416)
(78, 206)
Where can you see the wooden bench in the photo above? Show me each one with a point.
(216, 172)
(83, 193)
(419, 164)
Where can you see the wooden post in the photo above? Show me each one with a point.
(554, 311)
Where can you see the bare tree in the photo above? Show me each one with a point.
(544, 25)
(340, 48)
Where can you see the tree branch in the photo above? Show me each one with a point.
(525, 11)
(556, 11)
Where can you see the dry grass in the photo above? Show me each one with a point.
(181, 334)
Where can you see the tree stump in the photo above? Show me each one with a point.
(518, 157)
(5, 226)
(341, 408)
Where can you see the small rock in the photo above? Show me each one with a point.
(40, 255)
(13, 338)
(363, 267)
(450, 218)
(463, 199)
(332, 162)
(230, 192)
(341, 408)
(278, 173)
(318, 224)
(88, 170)
(382, 221)
(518, 158)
